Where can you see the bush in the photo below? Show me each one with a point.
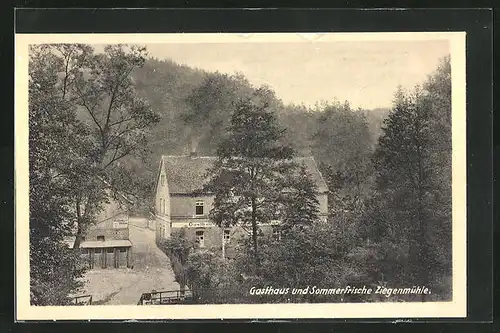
(177, 248)
(213, 279)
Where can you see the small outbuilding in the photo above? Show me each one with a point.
(106, 244)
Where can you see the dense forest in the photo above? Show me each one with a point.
(196, 106)
(99, 122)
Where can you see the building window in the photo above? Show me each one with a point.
(123, 249)
(276, 233)
(161, 206)
(100, 238)
(162, 177)
(227, 236)
(200, 238)
(199, 207)
(97, 250)
(110, 250)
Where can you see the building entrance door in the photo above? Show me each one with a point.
(98, 260)
(122, 257)
(110, 258)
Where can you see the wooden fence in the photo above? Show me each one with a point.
(166, 297)
(82, 300)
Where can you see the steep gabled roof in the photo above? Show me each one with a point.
(187, 174)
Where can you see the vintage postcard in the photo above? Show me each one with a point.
(240, 176)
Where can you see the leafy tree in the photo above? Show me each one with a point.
(437, 90)
(115, 118)
(374, 119)
(84, 119)
(211, 106)
(285, 259)
(213, 280)
(299, 201)
(166, 86)
(302, 257)
(178, 247)
(309, 251)
(54, 269)
(413, 162)
(342, 135)
(343, 146)
(298, 257)
(246, 177)
(301, 125)
(401, 164)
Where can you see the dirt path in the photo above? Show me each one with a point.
(124, 286)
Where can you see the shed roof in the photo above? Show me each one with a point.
(187, 174)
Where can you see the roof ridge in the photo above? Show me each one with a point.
(186, 173)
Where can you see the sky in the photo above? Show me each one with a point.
(365, 73)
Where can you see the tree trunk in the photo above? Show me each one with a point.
(78, 239)
(254, 234)
(223, 245)
(79, 231)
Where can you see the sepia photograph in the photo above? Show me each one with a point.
(240, 175)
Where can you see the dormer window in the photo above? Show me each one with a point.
(162, 180)
(199, 208)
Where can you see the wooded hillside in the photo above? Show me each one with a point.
(195, 107)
